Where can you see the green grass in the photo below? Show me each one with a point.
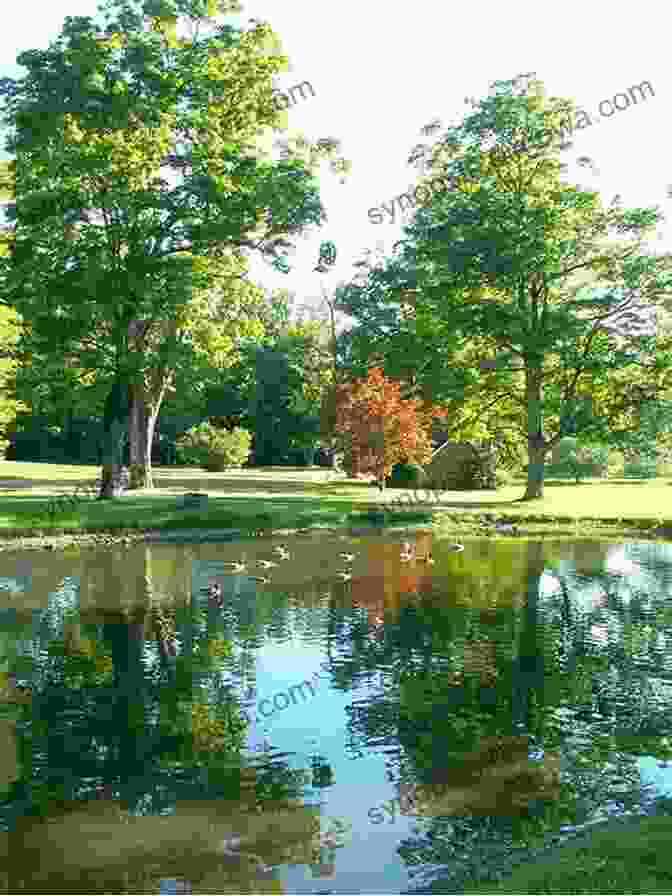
(284, 498)
(633, 857)
(290, 498)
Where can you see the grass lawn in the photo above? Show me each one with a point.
(251, 500)
(629, 857)
(290, 497)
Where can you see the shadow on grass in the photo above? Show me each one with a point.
(195, 483)
(158, 511)
(328, 505)
(267, 483)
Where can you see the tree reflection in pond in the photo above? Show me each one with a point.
(126, 765)
(496, 779)
(132, 716)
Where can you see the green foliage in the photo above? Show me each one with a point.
(503, 478)
(406, 476)
(192, 448)
(117, 268)
(327, 256)
(577, 461)
(213, 448)
(10, 403)
(284, 397)
(273, 390)
(643, 467)
(514, 293)
(229, 449)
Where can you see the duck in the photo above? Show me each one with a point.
(281, 550)
(346, 576)
(406, 553)
(237, 565)
(455, 547)
(428, 559)
(213, 591)
(266, 564)
(347, 557)
(264, 580)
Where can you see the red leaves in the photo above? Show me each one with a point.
(379, 427)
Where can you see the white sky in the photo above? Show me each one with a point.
(381, 71)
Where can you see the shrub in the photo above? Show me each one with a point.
(229, 449)
(212, 448)
(376, 427)
(406, 476)
(192, 447)
(578, 461)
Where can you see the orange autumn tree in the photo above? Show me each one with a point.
(377, 428)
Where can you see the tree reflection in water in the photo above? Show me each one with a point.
(128, 775)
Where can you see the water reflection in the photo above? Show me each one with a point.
(501, 695)
(496, 779)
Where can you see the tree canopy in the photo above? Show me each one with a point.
(524, 287)
(141, 187)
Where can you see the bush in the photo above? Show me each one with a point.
(578, 461)
(212, 448)
(191, 448)
(229, 448)
(406, 476)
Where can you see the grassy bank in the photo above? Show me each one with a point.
(293, 498)
(250, 500)
(620, 857)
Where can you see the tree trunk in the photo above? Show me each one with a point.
(113, 447)
(536, 445)
(115, 428)
(528, 669)
(535, 469)
(129, 745)
(139, 467)
(141, 425)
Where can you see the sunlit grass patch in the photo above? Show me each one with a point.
(63, 498)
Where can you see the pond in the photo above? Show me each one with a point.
(373, 723)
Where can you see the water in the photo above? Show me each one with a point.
(311, 734)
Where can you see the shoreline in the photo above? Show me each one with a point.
(588, 842)
(445, 523)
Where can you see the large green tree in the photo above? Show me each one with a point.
(542, 289)
(11, 326)
(275, 391)
(10, 402)
(141, 188)
(429, 358)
